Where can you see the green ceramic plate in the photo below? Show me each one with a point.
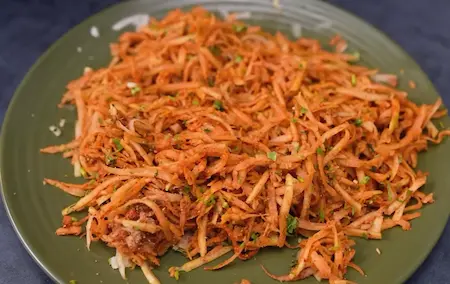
(35, 209)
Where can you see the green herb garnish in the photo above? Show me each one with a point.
(254, 236)
(218, 105)
(238, 58)
(364, 180)
(358, 122)
(135, 90)
(319, 151)
(195, 102)
(211, 81)
(321, 215)
(356, 55)
(83, 172)
(207, 130)
(239, 28)
(186, 189)
(296, 146)
(272, 156)
(210, 201)
(116, 142)
(353, 80)
(215, 50)
(291, 224)
(303, 110)
(389, 191)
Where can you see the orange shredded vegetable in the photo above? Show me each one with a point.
(209, 136)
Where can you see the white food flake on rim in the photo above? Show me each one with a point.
(296, 29)
(224, 12)
(276, 4)
(79, 49)
(243, 15)
(55, 130)
(87, 69)
(95, 32)
(137, 21)
(325, 25)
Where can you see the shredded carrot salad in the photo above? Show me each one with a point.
(209, 136)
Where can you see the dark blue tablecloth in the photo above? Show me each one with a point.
(28, 27)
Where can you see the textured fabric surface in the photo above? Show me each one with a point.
(28, 27)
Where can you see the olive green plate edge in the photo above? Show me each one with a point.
(418, 258)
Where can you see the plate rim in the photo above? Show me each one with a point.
(419, 259)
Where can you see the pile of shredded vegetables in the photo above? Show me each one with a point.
(209, 136)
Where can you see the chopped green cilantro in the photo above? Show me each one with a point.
(211, 81)
(319, 151)
(353, 80)
(116, 142)
(135, 90)
(186, 189)
(272, 156)
(176, 275)
(215, 50)
(321, 215)
(291, 224)
(210, 201)
(239, 28)
(364, 180)
(303, 110)
(254, 236)
(218, 105)
(296, 146)
(358, 122)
